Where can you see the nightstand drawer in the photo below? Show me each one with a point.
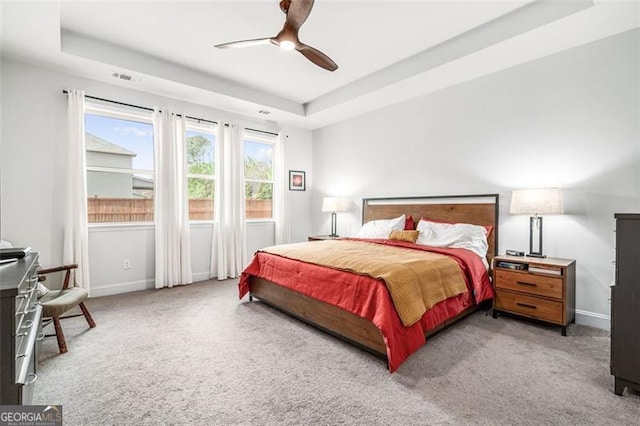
(532, 307)
(538, 285)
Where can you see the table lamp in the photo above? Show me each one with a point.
(333, 205)
(536, 202)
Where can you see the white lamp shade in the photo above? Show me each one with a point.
(536, 201)
(334, 204)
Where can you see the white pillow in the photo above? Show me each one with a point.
(454, 235)
(380, 229)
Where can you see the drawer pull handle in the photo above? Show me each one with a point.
(33, 377)
(526, 283)
(27, 324)
(28, 311)
(524, 305)
(40, 337)
(24, 333)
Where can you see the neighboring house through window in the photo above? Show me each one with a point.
(120, 166)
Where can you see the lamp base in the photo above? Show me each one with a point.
(535, 237)
(334, 231)
(541, 256)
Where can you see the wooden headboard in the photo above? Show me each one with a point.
(475, 209)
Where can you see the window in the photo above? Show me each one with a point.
(258, 175)
(120, 166)
(121, 172)
(201, 184)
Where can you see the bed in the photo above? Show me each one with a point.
(359, 308)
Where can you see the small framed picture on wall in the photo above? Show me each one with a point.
(296, 180)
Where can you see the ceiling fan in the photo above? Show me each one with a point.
(297, 12)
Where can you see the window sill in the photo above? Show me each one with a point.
(120, 226)
(137, 226)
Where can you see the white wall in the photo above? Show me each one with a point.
(32, 173)
(298, 147)
(569, 120)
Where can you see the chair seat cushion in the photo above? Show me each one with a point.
(57, 302)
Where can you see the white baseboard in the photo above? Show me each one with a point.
(593, 319)
(200, 276)
(119, 288)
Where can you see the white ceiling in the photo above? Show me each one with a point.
(387, 51)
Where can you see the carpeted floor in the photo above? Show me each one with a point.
(197, 355)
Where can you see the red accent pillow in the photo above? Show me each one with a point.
(409, 224)
(487, 227)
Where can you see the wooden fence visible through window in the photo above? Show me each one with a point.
(102, 210)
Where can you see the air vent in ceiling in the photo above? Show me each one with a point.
(125, 77)
(264, 112)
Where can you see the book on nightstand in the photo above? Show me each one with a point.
(512, 265)
(549, 270)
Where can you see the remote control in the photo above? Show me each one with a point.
(515, 253)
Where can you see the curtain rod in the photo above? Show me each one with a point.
(151, 109)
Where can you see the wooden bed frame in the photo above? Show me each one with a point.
(475, 209)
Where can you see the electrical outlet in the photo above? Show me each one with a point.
(126, 264)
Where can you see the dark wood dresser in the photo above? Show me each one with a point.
(20, 330)
(625, 305)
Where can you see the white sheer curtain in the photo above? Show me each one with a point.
(229, 246)
(171, 204)
(280, 193)
(76, 234)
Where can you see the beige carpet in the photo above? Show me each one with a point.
(197, 355)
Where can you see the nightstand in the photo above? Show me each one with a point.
(540, 288)
(321, 237)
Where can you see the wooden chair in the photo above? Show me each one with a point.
(57, 302)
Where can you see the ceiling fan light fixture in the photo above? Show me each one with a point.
(287, 45)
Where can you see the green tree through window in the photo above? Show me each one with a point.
(258, 176)
(259, 170)
(201, 181)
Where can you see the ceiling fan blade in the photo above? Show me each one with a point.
(317, 57)
(245, 43)
(297, 13)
